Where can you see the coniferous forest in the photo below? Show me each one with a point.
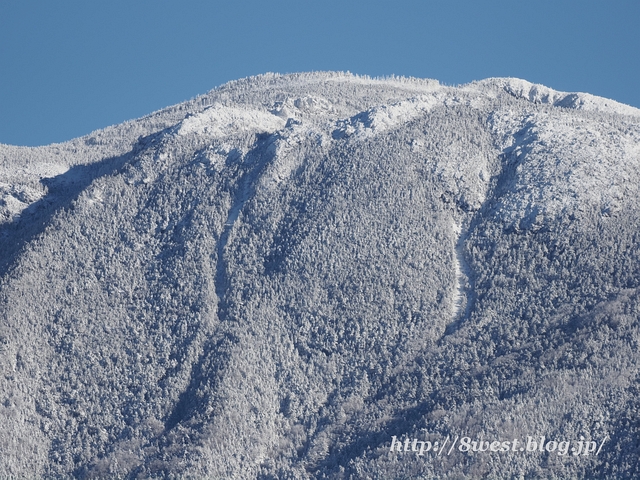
(280, 277)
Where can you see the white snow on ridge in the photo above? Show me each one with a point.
(403, 83)
(21, 187)
(539, 94)
(588, 167)
(219, 120)
(385, 117)
(306, 106)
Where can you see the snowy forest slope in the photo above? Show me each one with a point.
(273, 279)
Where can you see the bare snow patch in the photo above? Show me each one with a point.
(219, 121)
(458, 258)
(385, 117)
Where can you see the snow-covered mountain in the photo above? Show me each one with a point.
(285, 276)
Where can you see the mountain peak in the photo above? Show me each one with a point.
(291, 274)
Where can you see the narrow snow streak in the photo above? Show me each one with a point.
(462, 294)
(249, 182)
(460, 269)
(218, 346)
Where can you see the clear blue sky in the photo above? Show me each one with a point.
(68, 67)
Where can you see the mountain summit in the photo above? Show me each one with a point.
(327, 276)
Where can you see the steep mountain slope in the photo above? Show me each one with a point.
(274, 279)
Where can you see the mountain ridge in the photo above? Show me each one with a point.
(273, 279)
